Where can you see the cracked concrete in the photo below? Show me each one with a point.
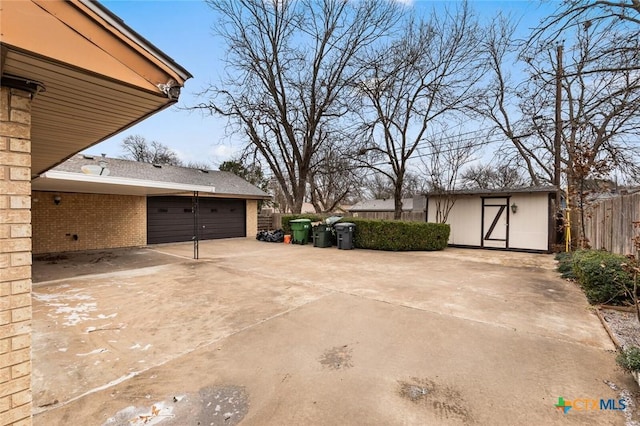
(282, 334)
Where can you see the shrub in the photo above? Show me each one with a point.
(284, 221)
(602, 276)
(399, 236)
(565, 264)
(629, 359)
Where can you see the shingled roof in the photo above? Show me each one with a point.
(385, 205)
(222, 183)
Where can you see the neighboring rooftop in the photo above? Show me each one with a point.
(83, 171)
(382, 205)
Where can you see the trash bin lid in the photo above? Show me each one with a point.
(300, 221)
(332, 219)
(344, 225)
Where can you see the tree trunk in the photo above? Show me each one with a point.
(397, 202)
(298, 196)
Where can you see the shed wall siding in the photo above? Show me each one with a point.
(464, 218)
(15, 257)
(100, 221)
(529, 226)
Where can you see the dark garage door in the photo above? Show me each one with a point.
(170, 219)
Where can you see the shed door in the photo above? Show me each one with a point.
(171, 219)
(495, 222)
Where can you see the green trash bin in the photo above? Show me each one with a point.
(321, 236)
(300, 229)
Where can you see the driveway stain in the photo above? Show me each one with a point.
(221, 405)
(445, 402)
(211, 406)
(337, 358)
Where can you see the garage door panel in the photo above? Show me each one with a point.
(170, 219)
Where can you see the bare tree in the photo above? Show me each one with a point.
(596, 113)
(486, 176)
(429, 72)
(333, 179)
(137, 148)
(574, 13)
(443, 164)
(379, 186)
(514, 109)
(201, 165)
(288, 65)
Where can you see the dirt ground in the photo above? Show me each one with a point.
(260, 333)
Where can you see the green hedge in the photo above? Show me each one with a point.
(396, 235)
(602, 276)
(391, 235)
(565, 264)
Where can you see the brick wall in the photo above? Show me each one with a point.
(15, 257)
(98, 220)
(252, 219)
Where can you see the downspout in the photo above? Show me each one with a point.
(196, 227)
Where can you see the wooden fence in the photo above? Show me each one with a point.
(265, 222)
(608, 223)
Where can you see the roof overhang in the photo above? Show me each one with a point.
(93, 76)
(74, 182)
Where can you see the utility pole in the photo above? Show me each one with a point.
(557, 139)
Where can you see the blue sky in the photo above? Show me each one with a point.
(183, 30)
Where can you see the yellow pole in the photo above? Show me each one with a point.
(567, 232)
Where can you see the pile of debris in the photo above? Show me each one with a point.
(276, 236)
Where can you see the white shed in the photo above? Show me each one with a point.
(507, 219)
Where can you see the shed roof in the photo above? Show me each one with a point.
(135, 178)
(502, 191)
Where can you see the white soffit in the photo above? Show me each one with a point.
(74, 182)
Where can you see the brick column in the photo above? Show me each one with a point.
(15, 257)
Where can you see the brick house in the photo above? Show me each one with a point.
(93, 202)
(73, 74)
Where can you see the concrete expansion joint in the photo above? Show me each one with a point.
(490, 324)
(177, 255)
(116, 274)
(201, 346)
(501, 326)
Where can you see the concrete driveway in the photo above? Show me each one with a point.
(260, 333)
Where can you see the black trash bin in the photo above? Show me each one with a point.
(321, 236)
(344, 234)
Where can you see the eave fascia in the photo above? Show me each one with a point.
(130, 182)
(117, 23)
